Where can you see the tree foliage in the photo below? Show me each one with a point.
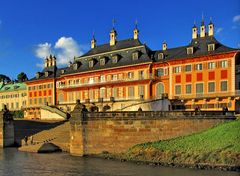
(22, 77)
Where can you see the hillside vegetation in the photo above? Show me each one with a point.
(219, 145)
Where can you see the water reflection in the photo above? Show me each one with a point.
(13, 163)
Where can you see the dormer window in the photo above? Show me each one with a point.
(37, 75)
(135, 55)
(160, 56)
(115, 59)
(102, 61)
(46, 73)
(62, 71)
(91, 63)
(75, 66)
(211, 47)
(190, 50)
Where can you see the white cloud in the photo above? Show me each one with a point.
(64, 49)
(68, 48)
(43, 50)
(219, 30)
(236, 19)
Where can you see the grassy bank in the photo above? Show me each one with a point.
(215, 147)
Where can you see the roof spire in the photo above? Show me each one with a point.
(202, 23)
(135, 31)
(93, 35)
(113, 23)
(93, 41)
(210, 21)
(194, 24)
(136, 24)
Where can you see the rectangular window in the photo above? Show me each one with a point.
(91, 80)
(115, 92)
(188, 68)
(90, 63)
(224, 86)
(102, 78)
(102, 92)
(17, 105)
(115, 59)
(115, 77)
(188, 89)
(211, 87)
(177, 69)
(50, 100)
(35, 101)
(211, 65)
(141, 91)
(135, 56)
(199, 67)
(178, 89)
(160, 72)
(190, 50)
(102, 61)
(141, 74)
(223, 64)
(211, 47)
(40, 101)
(130, 75)
(199, 88)
(131, 92)
(91, 94)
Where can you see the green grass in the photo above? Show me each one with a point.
(224, 137)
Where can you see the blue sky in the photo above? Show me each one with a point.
(30, 29)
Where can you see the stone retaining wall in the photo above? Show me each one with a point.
(116, 132)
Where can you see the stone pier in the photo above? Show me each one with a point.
(6, 128)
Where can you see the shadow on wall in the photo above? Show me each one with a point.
(28, 128)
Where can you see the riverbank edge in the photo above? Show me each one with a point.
(201, 166)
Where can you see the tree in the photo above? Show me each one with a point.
(22, 77)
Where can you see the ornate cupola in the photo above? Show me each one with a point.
(202, 30)
(46, 62)
(210, 28)
(50, 60)
(113, 35)
(54, 61)
(194, 31)
(135, 32)
(164, 46)
(93, 42)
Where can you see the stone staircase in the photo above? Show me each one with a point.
(59, 136)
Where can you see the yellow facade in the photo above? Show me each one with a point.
(14, 96)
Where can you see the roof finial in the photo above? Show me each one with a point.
(136, 23)
(202, 23)
(93, 35)
(194, 23)
(210, 21)
(113, 23)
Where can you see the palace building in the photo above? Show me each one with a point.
(124, 75)
(13, 95)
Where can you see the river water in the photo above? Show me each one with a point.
(15, 163)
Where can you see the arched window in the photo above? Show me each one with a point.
(60, 97)
(159, 90)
